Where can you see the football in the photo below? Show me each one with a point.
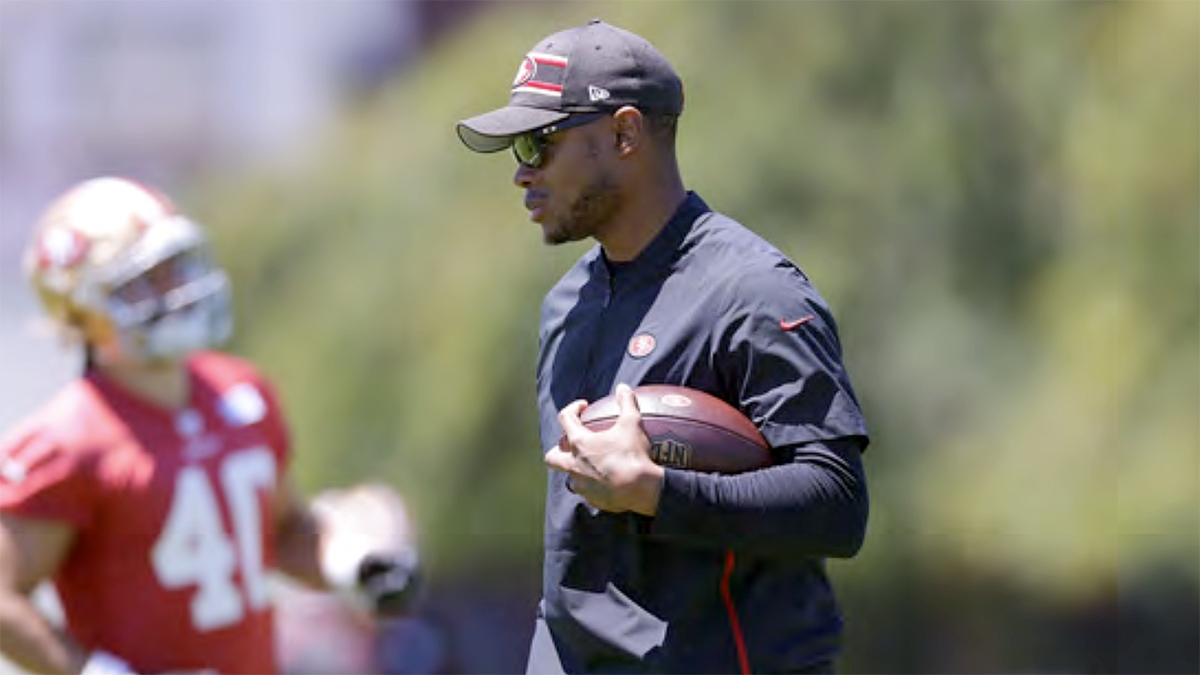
(689, 429)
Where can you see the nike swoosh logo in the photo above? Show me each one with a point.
(790, 325)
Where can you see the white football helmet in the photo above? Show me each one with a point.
(116, 266)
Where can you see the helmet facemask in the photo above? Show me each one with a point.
(163, 297)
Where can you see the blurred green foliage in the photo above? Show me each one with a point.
(999, 200)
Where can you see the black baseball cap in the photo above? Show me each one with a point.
(590, 68)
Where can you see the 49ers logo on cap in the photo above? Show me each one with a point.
(641, 345)
(524, 72)
(541, 74)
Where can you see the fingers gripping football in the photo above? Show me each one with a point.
(611, 468)
(369, 547)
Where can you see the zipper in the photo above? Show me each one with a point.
(585, 381)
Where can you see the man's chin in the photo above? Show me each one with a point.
(551, 234)
(557, 237)
(559, 232)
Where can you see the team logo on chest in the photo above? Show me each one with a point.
(641, 345)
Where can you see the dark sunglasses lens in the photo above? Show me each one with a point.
(528, 150)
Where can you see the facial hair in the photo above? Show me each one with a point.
(588, 214)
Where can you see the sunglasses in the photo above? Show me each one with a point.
(529, 148)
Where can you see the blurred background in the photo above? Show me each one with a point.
(998, 199)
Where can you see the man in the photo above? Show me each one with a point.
(152, 490)
(652, 569)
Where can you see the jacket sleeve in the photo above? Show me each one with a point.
(813, 503)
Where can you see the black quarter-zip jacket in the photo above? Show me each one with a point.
(729, 576)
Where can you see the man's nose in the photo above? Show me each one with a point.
(524, 175)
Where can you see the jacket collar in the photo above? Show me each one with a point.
(656, 259)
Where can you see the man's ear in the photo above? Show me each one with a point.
(629, 127)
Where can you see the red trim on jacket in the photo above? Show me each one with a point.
(738, 640)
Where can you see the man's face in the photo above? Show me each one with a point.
(572, 193)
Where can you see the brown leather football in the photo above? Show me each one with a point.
(689, 429)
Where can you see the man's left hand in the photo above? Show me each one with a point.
(610, 469)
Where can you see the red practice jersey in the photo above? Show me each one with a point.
(171, 510)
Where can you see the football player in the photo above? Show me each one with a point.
(152, 490)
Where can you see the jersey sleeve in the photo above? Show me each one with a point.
(779, 350)
(248, 398)
(41, 478)
(275, 424)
